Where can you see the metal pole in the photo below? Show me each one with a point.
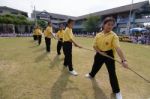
(130, 15)
(35, 16)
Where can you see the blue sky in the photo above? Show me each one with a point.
(67, 7)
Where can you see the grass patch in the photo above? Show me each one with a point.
(28, 72)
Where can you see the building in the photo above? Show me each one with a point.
(140, 15)
(56, 19)
(6, 10)
(6, 28)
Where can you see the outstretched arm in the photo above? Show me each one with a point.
(75, 44)
(122, 57)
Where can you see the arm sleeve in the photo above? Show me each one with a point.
(115, 42)
(70, 34)
(95, 41)
(51, 30)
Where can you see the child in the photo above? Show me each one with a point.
(38, 33)
(59, 35)
(106, 42)
(68, 39)
(48, 35)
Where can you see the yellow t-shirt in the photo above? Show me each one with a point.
(60, 33)
(48, 32)
(105, 42)
(38, 31)
(68, 35)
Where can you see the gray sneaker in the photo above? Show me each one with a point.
(88, 76)
(73, 73)
(118, 95)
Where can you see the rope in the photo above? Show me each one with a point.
(118, 62)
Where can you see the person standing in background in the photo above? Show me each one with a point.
(59, 35)
(38, 34)
(34, 34)
(48, 35)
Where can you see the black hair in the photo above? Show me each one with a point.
(49, 23)
(106, 20)
(69, 21)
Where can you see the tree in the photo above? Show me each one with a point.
(92, 24)
(15, 19)
(42, 23)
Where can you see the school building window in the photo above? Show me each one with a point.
(1, 11)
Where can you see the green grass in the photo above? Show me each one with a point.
(28, 72)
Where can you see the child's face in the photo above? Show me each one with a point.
(109, 26)
(71, 24)
(49, 24)
(61, 27)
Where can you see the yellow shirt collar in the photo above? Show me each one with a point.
(106, 33)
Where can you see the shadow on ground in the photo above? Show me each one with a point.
(41, 57)
(55, 62)
(61, 86)
(98, 93)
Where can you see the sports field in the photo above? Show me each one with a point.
(28, 72)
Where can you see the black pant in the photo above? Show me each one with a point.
(110, 64)
(39, 39)
(34, 37)
(48, 44)
(59, 46)
(67, 48)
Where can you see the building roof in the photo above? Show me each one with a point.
(116, 10)
(12, 9)
(54, 15)
(120, 9)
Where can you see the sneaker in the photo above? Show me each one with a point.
(118, 95)
(73, 73)
(88, 76)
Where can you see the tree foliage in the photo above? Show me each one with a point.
(15, 19)
(92, 24)
(42, 23)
